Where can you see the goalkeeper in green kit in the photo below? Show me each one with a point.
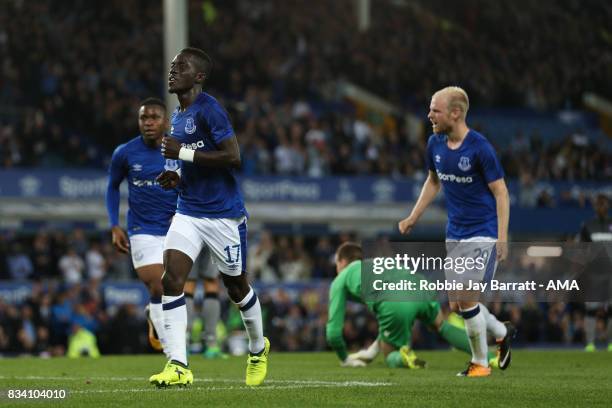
(395, 319)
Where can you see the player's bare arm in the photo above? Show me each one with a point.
(430, 189)
(500, 192)
(227, 155)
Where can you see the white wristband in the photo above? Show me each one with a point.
(186, 154)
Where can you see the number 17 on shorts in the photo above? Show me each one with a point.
(226, 238)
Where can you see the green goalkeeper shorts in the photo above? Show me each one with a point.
(395, 320)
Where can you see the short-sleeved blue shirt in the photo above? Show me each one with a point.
(465, 173)
(151, 208)
(206, 191)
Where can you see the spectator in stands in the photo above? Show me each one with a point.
(8, 327)
(19, 264)
(78, 241)
(72, 266)
(263, 260)
(324, 264)
(43, 255)
(27, 331)
(528, 193)
(5, 343)
(96, 264)
(49, 120)
(61, 315)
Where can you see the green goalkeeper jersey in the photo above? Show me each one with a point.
(395, 318)
(346, 286)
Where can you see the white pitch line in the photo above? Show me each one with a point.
(311, 383)
(231, 387)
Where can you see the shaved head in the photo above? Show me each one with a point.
(201, 60)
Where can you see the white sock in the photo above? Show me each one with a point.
(494, 326)
(476, 329)
(250, 310)
(175, 323)
(156, 314)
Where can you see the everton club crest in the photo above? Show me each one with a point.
(171, 165)
(464, 163)
(190, 126)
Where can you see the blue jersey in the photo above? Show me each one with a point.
(465, 174)
(151, 208)
(206, 191)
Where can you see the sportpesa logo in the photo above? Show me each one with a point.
(453, 178)
(193, 146)
(144, 183)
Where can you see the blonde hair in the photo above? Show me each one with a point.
(457, 99)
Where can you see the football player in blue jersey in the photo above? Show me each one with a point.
(150, 210)
(464, 163)
(210, 211)
(150, 207)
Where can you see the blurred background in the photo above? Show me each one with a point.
(329, 102)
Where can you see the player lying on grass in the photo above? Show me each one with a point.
(395, 319)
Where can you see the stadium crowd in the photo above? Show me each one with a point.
(66, 272)
(70, 103)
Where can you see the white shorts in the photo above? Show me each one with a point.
(225, 237)
(483, 252)
(147, 249)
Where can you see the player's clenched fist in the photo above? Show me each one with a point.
(170, 147)
(406, 225)
(168, 179)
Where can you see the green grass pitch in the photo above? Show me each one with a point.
(535, 379)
